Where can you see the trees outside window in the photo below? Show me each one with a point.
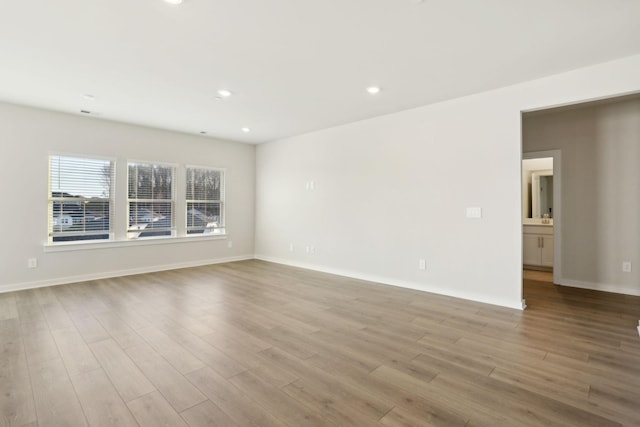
(205, 200)
(151, 200)
(80, 198)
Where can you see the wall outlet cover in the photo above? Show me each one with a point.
(474, 212)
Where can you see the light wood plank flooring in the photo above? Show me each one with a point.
(258, 344)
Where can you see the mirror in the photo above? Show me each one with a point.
(537, 190)
(542, 194)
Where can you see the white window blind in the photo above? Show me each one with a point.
(80, 198)
(205, 200)
(151, 200)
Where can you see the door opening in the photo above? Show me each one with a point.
(542, 212)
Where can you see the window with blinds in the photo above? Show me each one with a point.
(151, 200)
(80, 198)
(205, 200)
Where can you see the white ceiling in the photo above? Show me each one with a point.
(293, 65)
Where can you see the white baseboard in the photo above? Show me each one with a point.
(118, 273)
(519, 305)
(605, 287)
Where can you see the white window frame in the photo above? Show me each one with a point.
(51, 200)
(135, 233)
(119, 208)
(220, 227)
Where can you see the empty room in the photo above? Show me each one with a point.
(337, 213)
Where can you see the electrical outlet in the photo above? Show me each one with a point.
(229, 244)
(422, 264)
(626, 266)
(32, 263)
(474, 212)
(291, 248)
(312, 249)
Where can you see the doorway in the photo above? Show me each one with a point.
(542, 213)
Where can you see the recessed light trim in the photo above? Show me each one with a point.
(373, 90)
(174, 2)
(225, 93)
(89, 97)
(246, 129)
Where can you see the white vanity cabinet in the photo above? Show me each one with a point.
(537, 242)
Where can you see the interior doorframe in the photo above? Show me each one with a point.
(557, 205)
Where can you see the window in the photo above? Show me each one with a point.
(80, 198)
(151, 200)
(82, 203)
(205, 200)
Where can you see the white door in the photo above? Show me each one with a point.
(547, 251)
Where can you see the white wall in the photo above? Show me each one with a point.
(394, 189)
(28, 136)
(600, 147)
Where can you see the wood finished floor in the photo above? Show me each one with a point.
(257, 344)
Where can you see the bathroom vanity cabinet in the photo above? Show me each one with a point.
(537, 242)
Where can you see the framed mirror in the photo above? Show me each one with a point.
(542, 194)
(537, 190)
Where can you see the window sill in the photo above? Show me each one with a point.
(83, 246)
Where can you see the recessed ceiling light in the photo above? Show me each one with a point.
(224, 93)
(203, 132)
(173, 1)
(89, 97)
(246, 129)
(373, 90)
(416, 1)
